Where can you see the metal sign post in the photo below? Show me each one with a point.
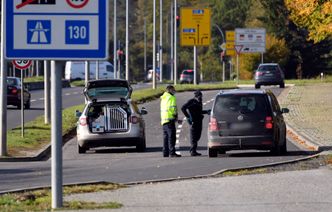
(55, 30)
(238, 49)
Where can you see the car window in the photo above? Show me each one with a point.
(101, 91)
(188, 72)
(268, 68)
(109, 68)
(240, 103)
(12, 82)
(275, 104)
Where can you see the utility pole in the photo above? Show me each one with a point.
(161, 41)
(114, 42)
(172, 41)
(175, 43)
(154, 46)
(127, 39)
(145, 71)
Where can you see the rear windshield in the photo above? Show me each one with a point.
(255, 104)
(108, 91)
(189, 72)
(268, 68)
(12, 81)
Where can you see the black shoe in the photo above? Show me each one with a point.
(175, 155)
(165, 156)
(195, 154)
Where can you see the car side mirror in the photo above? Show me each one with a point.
(144, 111)
(208, 112)
(284, 110)
(78, 113)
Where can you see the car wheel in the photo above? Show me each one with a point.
(212, 153)
(282, 85)
(141, 146)
(257, 86)
(222, 151)
(27, 105)
(283, 148)
(81, 150)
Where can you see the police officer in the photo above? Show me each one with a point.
(193, 110)
(169, 115)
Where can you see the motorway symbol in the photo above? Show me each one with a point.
(77, 3)
(39, 32)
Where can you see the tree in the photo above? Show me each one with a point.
(315, 15)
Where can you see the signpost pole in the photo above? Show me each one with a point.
(47, 90)
(3, 85)
(127, 40)
(175, 43)
(56, 134)
(195, 65)
(223, 70)
(161, 41)
(237, 69)
(114, 42)
(154, 46)
(22, 104)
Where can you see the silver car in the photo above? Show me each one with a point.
(269, 74)
(110, 117)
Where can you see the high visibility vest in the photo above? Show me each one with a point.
(168, 108)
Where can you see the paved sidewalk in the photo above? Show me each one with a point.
(310, 114)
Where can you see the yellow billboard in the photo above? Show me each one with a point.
(195, 27)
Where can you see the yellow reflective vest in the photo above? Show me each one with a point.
(168, 108)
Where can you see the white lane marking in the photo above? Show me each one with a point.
(178, 131)
(204, 103)
(75, 93)
(68, 94)
(177, 135)
(33, 100)
(41, 98)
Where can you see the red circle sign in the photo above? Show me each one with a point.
(77, 3)
(22, 64)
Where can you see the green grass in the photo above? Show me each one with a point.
(78, 83)
(303, 82)
(40, 200)
(34, 79)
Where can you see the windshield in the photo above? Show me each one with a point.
(108, 91)
(12, 82)
(268, 68)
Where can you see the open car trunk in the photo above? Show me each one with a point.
(109, 110)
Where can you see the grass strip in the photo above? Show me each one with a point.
(40, 200)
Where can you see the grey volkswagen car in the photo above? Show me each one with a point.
(246, 119)
(110, 117)
(269, 74)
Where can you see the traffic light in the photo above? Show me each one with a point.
(177, 21)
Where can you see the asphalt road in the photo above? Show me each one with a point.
(124, 165)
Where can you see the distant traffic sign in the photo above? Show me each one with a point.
(195, 27)
(22, 64)
(238, 48)
(56, 30)
(252, 40)
(230, 43)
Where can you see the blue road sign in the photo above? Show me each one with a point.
(56, 30)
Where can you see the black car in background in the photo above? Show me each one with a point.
(269, 74)
(246, 119)
(14, 89)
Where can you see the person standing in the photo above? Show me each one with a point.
(169, 115)
(193, 110)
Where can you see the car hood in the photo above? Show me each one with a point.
(107, 90)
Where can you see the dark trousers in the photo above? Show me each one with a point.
(169, 138)
(195, 135)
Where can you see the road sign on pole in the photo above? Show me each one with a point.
(238, 48)
(22, 64)
(252, 40)
(56, 30)
(195, 29)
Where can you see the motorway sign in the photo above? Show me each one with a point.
(195, 27)
(22, 64)
(252, 40)
(56, 30)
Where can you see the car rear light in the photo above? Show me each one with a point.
(182, 76)
(268, 122)
(259, 73)
(133, 119)
(213, 125)
(83, 121)
(14, 91)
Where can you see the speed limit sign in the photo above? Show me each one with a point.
(77, 3)
(22, 64)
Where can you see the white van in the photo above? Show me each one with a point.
(75, 70)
